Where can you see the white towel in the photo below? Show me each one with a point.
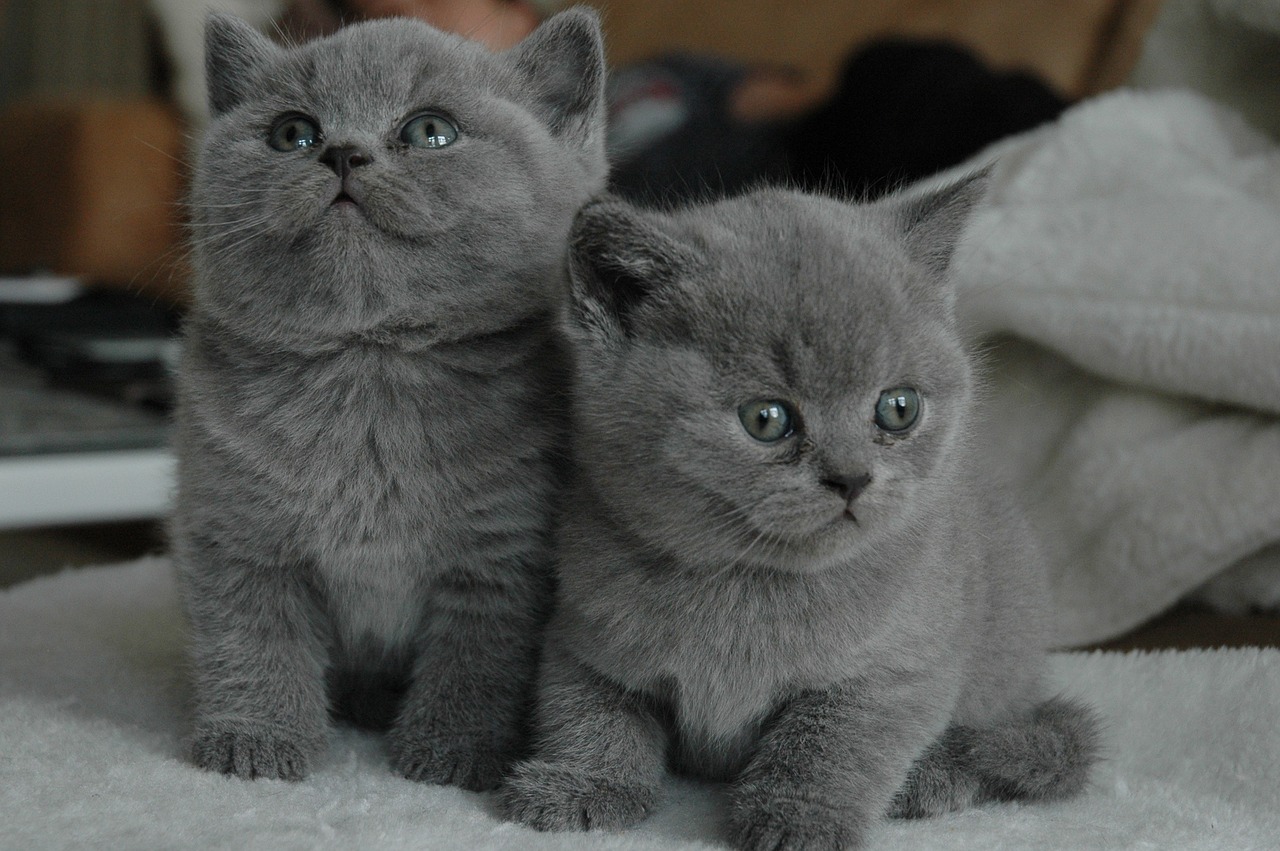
(1125, 272)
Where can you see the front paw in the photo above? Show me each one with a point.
(473, 762)
(760, 822)
(559, 797)
(941, 781)
(252, 752)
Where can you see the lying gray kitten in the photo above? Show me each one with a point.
(369, 421)
(780, 566)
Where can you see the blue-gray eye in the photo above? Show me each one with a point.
(898, 409)
(293, 133)
(429, 130)
(768, 420)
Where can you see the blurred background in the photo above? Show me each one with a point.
(100, 99)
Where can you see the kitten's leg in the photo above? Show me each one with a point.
(260, 703)
(600, 758)
(828, 765)
(463, 715)
(1045, 756)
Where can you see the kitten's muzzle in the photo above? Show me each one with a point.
(849, 487)
(344, 159)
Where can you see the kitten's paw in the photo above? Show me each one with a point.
(794, 824)
(941, 781)
(934, 793)
(1045, 757)
(553, 796)
(476, 763)
(252, 753)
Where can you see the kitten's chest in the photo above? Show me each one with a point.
(371, 455)
(723, 655)
(355, 412)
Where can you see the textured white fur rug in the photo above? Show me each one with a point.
(92, 715)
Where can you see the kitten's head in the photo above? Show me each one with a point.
(775, 379)
(392, 177)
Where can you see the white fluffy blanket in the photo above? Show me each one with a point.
(92, 696)
(1126, 272)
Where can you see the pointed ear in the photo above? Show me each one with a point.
(233, 52)
(932, 224)
(619, 257)
(563, 62)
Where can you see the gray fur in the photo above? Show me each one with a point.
(722, 609)
(371, 427)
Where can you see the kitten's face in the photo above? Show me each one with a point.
(392, 177)
(786, 392)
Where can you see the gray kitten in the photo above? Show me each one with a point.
(779, 565)
(370, 410)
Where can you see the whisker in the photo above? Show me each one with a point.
(163, 152)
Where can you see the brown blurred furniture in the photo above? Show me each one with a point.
(93, 188)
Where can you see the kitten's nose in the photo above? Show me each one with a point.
(848, 487)
(343, 158)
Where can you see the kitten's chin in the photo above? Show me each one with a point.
(345, 218)
(345, 214)
(802, 560)
(345, 205)
(832, 544)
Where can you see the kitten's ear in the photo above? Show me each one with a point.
(233, 51)
(619, 256)
(563, 62)
(932, 224)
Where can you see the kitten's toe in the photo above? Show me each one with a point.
(941, 781)
(476, 763)
(935, 793)
(556, 797)
(1047, 756)
(252, 753)
(760, 823)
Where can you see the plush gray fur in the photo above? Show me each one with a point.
(728, 607)
(371, 425)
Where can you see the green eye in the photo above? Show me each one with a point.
(293, 133)
(429, 130)
(898, 409)
(768, 420)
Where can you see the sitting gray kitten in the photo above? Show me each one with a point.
(370, 415)
(779, 565)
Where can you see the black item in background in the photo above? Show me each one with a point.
(105, 343)
(902, 110)
(672, 138)
(97, 311)
(905, 110)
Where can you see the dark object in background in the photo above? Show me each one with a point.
(902, 110)
(103, 343)
(88, 374)
(672, 136)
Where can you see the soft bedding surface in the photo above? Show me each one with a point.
(92, 715)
